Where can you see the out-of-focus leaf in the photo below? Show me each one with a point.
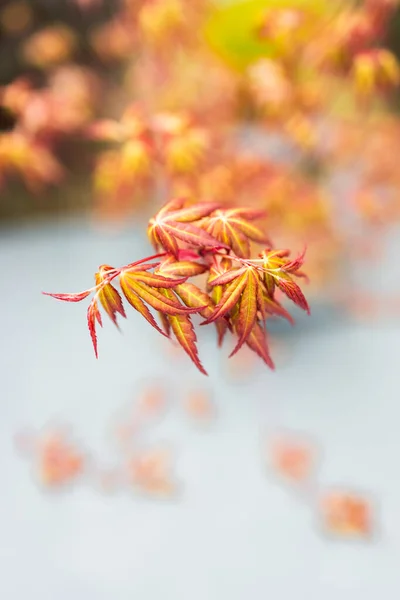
(230, 30)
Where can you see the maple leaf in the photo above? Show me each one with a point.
(278, 271)
(193, 296)
(230, 296)
(235, 288)
(139, 288)
(181, 268)
(137, 303)
(215, 293)
(109, 297)
(244, 299)
(271, 306)
(78, 297)
(93, 315)
(162, 298)
(248, 309)
(239, 295)
(175, 222)
(184, 332)
(234, 228)
(155, 296)
(257, 341)
(165, 324)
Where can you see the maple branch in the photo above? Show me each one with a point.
(239, 299)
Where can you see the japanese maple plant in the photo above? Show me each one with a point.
(240, 292)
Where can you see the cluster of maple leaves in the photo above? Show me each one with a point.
(240, 291)
(143, 148)
(345, 43)
(41, 119)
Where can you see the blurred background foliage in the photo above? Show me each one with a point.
(229, 32)
(18, 22)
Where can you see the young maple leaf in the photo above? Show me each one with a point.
(257, 341)
(170, 267)
(215, 293)
(174, 223)
(139, 288)
(278, 271)
(239, 290)
(243, 298)
(109, 297)
(193, 297)
(184, 332)
(136, 295)
(159, 292)
(234, 228)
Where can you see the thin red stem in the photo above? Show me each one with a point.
(148, 258)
